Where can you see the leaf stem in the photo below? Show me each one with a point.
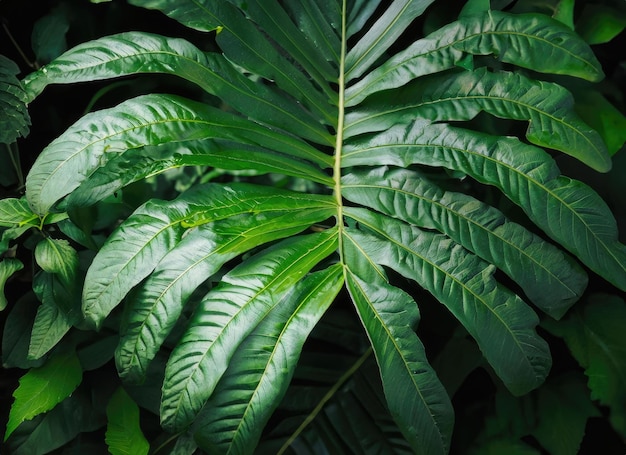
(334, 389)
(340, 123)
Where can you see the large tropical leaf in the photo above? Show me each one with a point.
(379, 195)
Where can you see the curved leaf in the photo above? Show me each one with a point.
(155, 308)
(525, 174)
(139, 52)
(550, 279)
(418, 402)
(532, 41)
(227, 315)
(133, 251)
(146, 120)
(260, 370)
(14, 118)
(548, 108)
(501, 323)
(381, 35)
(242, 42)
(16, 212)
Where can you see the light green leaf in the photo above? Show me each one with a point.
(123, 435)
(500, 322)
(549, 278)
(58, 257)
(132, 252)
(227, 315)
(525, 174)
(548, 108)
(357, 14)
(417, 401)
(564, 13)
(8, 266)
(381, 35)
(531, 41)
(146, 120)
(16, 212)
(138, 52)
(42, 388)
(14, 118)
(155, 307)
(261, 369)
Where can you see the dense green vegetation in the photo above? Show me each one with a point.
(313, 226)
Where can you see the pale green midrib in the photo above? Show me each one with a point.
(340, 126)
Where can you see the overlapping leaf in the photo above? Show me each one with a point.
(284, 70)
(227, 315)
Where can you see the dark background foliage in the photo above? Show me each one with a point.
(483, 408)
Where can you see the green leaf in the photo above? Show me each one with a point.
(540, 44)
(227, 315)
(14, 118)
(552, 281)
(417, 400)
(137, 52)
(58, 257)
(500, 322)
(146, 120)
(16, 333)
(594, 335)
(8, 266)
(155, 307)
(47, 432)
(602, 116)
(381, 35)
(243, 43)
(48, 36)
(16, 212)
(123, 435)
(42, 388)
(563, 408)
(55, 316)
(525, 174)
(260, 370)
(548, 108)
(133, 251)
(600, 23)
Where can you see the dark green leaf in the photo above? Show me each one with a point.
(246, 45)
(227, 315)
(146, 120)
(8, 266)
(528, 40)
(546, 106)
(260, 371)
(594, 334)
(133, 251)
(136, 52)
(14, 118)
(156, 306)
(501, 323)
(550, 279)
(525, 174)
(417, 400)
(381, 35)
